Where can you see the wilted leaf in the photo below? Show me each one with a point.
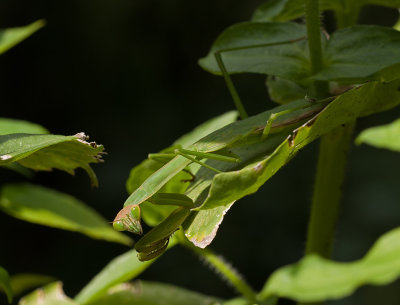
(55, 209)
(45, 152)
(152, 293)
(51, 294)
(385, 136)
(316, 279)
(12, 36)
(5, 284)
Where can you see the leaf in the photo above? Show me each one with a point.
(12, 36)
(8, 126)
(51, 294)
(24, 281)
(48, 207)
(121, 269)
(288, 60)
(358, 53)
(286, 10)
(216, 192)
(385, 136)
(315, 279)
(153, 215)
(5, 284)
(153, 293)
(44, 152)
(283, 91)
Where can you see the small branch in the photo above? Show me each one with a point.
(222, 267)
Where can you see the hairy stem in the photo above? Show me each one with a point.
(320, 88)
(222, 267)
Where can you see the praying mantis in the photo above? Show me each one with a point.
(215, 146)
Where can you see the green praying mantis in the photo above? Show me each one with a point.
(215, 146)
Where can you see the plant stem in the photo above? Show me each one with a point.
(320, 88)
(222, 267)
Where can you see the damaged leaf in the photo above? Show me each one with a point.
(45, 152)
(51, 294)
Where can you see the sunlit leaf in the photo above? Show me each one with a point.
(24, 281)
(261, 161)
(385, 136)
(51, 294)
(48, 207)
(152, 293)
(45, 152)
(12, 36)
(315, 279)
(5, 284)
(19, 126)
(121, 269)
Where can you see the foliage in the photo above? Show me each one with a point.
(185, 190)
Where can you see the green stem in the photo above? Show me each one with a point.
(320, 88)
(331, 168)
(222, 266)
(347, 16)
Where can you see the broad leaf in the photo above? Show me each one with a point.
(12, 36)
(8, 126)
(216, 192)
(288, 60)
(358, 53)
(51, 294)
(385, 136)
(286, 10)
(5, 284)
(152, 293)
(45, 152)
(55, 209)
(121, 269)
(24, 281)
(316, 279)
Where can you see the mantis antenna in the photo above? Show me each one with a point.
(227, 78)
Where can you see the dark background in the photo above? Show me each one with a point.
(126, 73)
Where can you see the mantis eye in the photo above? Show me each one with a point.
(128, 219)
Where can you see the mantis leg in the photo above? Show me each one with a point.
(228, 80)
(164, 158)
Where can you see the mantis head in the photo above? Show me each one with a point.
(128, 219)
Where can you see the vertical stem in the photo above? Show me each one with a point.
(221, 266)
(320, 88)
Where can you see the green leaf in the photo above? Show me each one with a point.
(152, 293)
(48, 207)
(51, 294)
(283, 91)
(24, 281)
(286, 10)
(358, 53)
(315, 279)
(8, 126)
(288, 61)
(215, 193)
(385, 136)
(153, 215)
(45, 152)
(121, 269)
(5, 284)
(12, 36)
